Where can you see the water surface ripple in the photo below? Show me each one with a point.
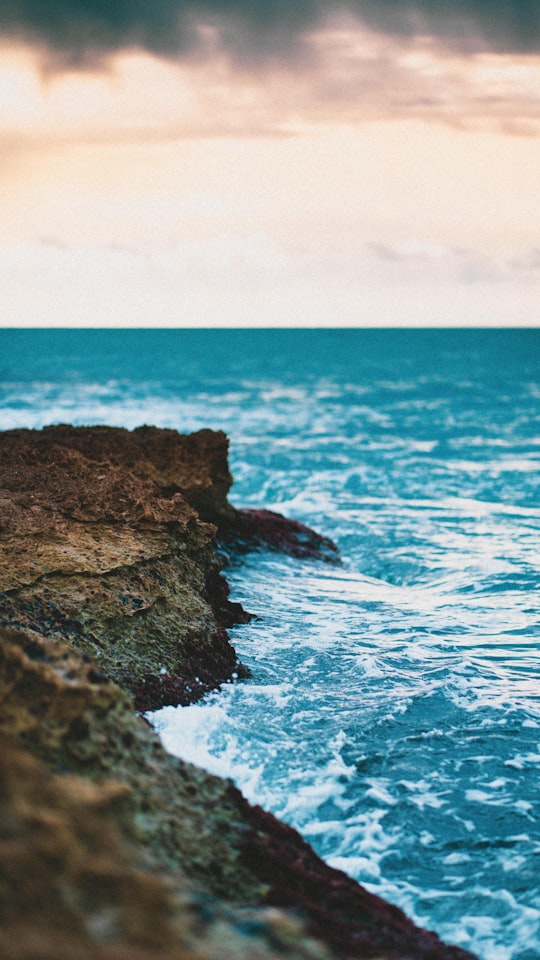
(393, 716)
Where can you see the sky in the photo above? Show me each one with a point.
(235, 163)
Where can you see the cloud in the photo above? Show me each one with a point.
(85, 32)
(347, 75)
(430, 263)
(249, 280)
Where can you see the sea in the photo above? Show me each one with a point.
(393, 712)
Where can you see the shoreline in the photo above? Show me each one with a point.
(113, 602)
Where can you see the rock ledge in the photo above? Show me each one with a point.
(112, 602)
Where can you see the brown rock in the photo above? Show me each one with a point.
(100, 548)
(112, 598)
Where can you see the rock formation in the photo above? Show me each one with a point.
(112, 602)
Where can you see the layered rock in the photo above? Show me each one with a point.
(103, 549)
(113, 602)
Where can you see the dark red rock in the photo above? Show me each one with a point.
(227, 612)
(153, 691)
(103, 550)
(339, 911)
(264, 529)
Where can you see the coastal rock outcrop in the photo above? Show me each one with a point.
(103, 547)
(112, 602)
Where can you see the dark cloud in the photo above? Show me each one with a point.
(504, 25)
(83, 31)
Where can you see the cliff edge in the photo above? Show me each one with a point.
(112, 602)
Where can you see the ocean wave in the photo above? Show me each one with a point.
(393, 715)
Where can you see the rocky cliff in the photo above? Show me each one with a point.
(112, 601)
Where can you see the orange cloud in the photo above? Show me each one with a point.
(346, 75)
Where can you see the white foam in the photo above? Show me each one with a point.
(359, 867)
(392, 695)
(379, 790)
(522, 760)
(454, 859)
(196, 734)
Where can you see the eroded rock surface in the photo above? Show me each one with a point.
(112, 601)
(103, 547)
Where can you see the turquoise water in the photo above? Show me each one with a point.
(393, 715)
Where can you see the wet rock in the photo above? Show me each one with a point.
(101, 548)
(264, 529)
(112, 600)
(76, 884)
(108, 843)
(338, 910)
